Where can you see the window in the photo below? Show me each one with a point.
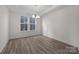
(32, 23)
(27, 23)
(24, 23)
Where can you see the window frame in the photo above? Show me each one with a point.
(28, 23)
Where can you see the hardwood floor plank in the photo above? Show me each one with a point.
(36, 45)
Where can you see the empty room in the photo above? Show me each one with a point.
(39, 29)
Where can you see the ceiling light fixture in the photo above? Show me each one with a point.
(36, 15)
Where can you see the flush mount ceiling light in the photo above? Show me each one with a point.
(35, 15)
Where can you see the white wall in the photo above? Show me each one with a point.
(63, 25)
(3, 27)
(14, 26)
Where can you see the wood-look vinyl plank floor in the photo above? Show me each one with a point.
(36, 45)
